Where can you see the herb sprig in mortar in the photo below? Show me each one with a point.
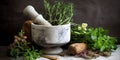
(59, 13)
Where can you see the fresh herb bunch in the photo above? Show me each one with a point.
(32, 54)
(21, 47)
(96, 38)
(59, 13)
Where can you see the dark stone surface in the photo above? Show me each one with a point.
(4, 55)
(97, 13)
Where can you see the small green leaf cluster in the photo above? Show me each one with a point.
(58, 13)
(21, 47)
(32, 54)
(96, 38)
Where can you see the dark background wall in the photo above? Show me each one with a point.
(97, 13)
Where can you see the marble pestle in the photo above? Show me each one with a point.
(35, 16)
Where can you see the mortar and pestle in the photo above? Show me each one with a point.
(45, 34)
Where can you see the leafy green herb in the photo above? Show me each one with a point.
(59, 13)
(21, 47)
(32, 54)
(96, 38)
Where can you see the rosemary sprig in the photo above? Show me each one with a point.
(59, 13)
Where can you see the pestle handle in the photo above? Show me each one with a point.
(40, 20)
(30, 11)
(35, 16)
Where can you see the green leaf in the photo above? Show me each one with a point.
(94, 37)
(99, 41)
(77, 32)
(102, 48)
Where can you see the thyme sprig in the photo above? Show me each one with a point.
(21, 47)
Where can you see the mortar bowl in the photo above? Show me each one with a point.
(51, 37)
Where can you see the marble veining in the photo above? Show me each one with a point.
(53, 35)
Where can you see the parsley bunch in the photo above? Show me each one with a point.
(96, 38)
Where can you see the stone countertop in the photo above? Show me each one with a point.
(114, 56)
